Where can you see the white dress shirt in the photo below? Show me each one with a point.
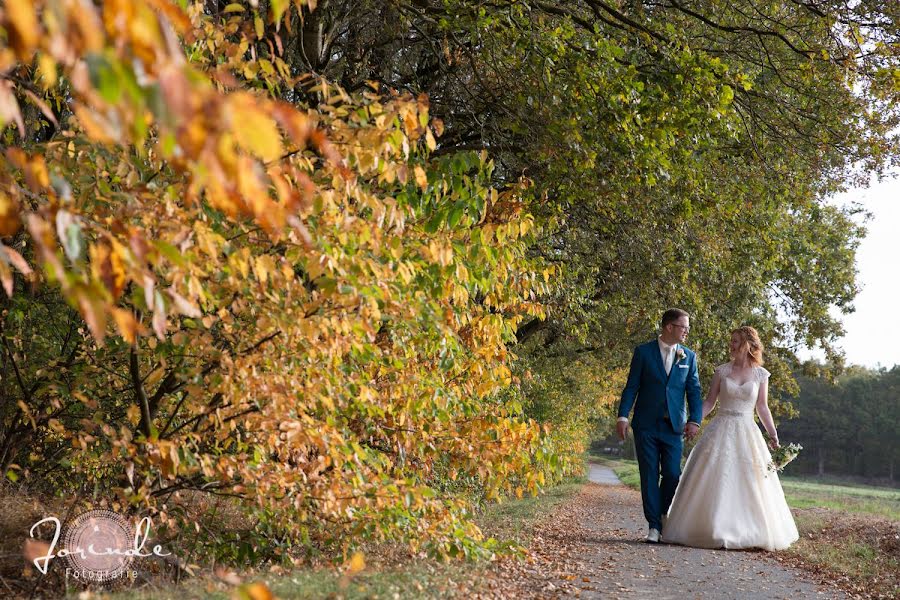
(668, 354)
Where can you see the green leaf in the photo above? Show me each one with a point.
(170, 252)
(104, 77)
(68, 230)
(278, 8)
(456, 214)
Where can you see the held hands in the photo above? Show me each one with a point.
(773, 443)
(691, 430)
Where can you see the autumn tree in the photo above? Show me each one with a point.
(226, 277)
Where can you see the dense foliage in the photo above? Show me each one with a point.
(682, 154)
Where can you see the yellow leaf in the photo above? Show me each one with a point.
(47, 70)
(262, 266)
(278, 8)
(133, 414)
(235, 7)
(357, 563)
(159, 315)
(253, 129)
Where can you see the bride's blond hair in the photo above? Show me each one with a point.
(750, 341)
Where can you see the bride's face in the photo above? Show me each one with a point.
(736, 346)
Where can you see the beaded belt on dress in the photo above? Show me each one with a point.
(733, 413)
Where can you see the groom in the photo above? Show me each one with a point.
(662, 373)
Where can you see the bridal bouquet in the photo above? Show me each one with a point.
(782, 455)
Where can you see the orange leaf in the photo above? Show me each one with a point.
(9, 215)
(180, 21)
(16, 259)
(128, 326)
(23, 33)
(6, 277)
(93, 126)
(421, 177)
(107, 266)
(94, 315)
(35, 549)
(255, 591)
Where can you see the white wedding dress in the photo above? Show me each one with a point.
(727, 496)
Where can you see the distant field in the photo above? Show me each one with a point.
(802, 493)
(861, 499)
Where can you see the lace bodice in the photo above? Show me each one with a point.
(738, 398)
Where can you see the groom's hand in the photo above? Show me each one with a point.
(622, 429)
(691, 430)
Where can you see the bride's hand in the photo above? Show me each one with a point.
(773, 443)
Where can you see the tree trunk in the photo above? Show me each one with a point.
(821, 461)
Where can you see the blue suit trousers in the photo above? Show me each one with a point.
(658, 449)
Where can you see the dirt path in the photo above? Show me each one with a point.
(592, 547)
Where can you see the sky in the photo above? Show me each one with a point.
(873, 331)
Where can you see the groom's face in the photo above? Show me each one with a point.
(678, 330)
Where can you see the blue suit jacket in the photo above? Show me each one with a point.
(653, 394)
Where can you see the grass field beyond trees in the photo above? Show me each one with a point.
(807, 493)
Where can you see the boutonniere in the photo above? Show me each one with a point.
(679, 354)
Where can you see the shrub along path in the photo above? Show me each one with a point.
(591, 547)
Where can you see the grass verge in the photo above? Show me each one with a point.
(390, 573)
(858, 552)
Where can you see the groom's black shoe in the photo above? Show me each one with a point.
(653, 536)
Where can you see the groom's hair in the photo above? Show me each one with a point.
(672, 315)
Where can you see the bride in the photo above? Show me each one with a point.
(727, 496)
